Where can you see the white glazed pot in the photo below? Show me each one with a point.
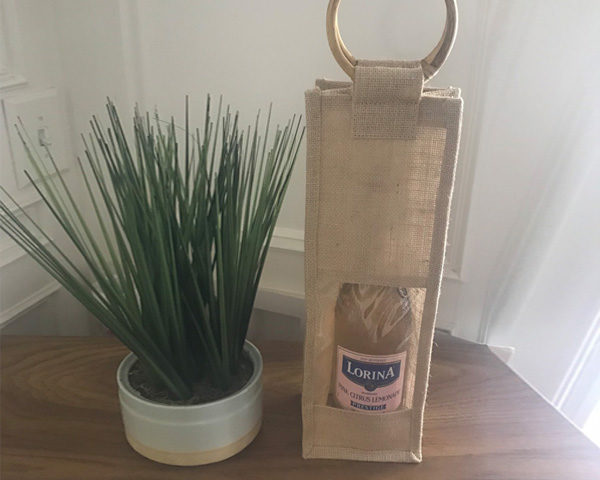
(192, 434)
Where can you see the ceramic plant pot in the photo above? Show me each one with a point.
(192, 434)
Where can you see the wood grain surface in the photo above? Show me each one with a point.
(60, 420)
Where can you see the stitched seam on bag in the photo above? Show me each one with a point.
(307, 406)
(317, 192)
(442, 212)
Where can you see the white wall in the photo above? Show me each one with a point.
(30, 301)
(262, 51)
(531, 268)
(253, 53)
(523, 68)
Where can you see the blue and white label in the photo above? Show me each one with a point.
(370, 375)
(372, 383)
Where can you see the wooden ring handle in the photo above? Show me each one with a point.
(431, 63)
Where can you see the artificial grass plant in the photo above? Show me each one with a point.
(183, 226)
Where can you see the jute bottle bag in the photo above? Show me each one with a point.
(380, 170)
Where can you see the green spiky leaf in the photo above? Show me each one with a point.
(176, 239)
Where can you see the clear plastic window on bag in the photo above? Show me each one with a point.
(376, 338)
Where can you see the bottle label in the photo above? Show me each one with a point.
(371, 383)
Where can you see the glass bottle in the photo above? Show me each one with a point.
(375, 332)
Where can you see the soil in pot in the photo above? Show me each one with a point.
(204, 392)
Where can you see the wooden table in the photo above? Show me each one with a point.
(60, 420)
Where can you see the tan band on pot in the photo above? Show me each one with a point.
(187, 459)
(385, 99)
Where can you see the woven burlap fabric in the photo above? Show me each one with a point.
(386, 99)
(380, 169)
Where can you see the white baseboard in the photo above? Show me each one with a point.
(280, 301)
(504, 353)
(281, 287)
(289, 239)
(29, 302)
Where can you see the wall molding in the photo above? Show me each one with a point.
(10, 47)
(289, 239)
(26, 201)
(281, 288)
(284, 302)
(9, 251)
(469, 146)
(29, 302)
(8, 81)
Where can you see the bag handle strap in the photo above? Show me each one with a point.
(431, 63)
